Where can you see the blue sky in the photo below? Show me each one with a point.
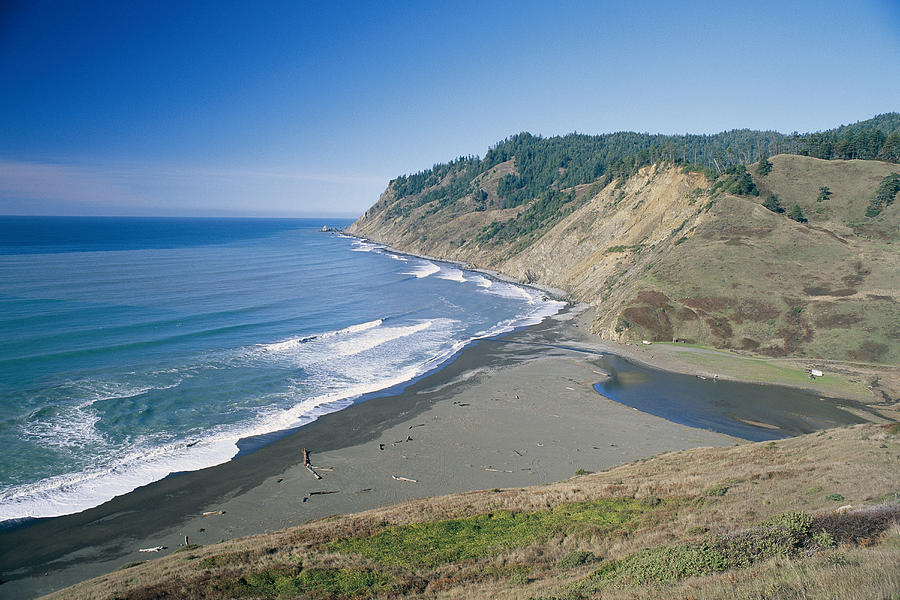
(307, 109)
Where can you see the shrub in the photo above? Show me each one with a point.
(796, 214)
(773, 203)
(823, 539)
(884, 196)
(835, 497)
(716, 490)
(576, 558)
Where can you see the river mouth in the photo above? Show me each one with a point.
(751, 411)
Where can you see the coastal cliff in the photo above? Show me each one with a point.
(672, 254)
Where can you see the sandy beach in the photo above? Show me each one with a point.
(512, 411)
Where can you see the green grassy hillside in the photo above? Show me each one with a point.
(746, 277)
(808, 517)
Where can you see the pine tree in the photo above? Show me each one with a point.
(890, 152)
(797, 214)
(773, 204)
(824, 194)
(765, 167)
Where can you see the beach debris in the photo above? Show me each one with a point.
(211, 513)
(152, 549)
(517, 396)
(322, 493)
(540, 444)
(192, 444)
(381, 446)
(280, 479)
(519, 453)
(399, 478)
(493, 470)
(646, 343)
(570, 388)
(185, 541)
(417, 425)
(308, 465)
(364, 490)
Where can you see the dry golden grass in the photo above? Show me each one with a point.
(860, 463)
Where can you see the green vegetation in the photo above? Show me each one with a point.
(824, 194)
(790, 534)
(875, 139)
(549, 208)
(719, 489)
(773, 204)
(737, 181)
(765, 167)
(796, 214)
(576, 558)
(290, 582)
(633, 248)
(428, 545)
(546, 171)
(885, 195)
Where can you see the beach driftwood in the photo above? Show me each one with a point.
(309, 466)
(398, 478)
(210, 513)
(153, 549)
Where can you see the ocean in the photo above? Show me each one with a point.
(133, 348)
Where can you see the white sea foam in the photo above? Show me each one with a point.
(364, 246)
(512, 291)
(480, 281)
(145, 463)
(354, 328)
(424, 270)
(291, 343)
(374, 339)
(397, 257)
(451, 274)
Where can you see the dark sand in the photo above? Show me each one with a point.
(508, 412)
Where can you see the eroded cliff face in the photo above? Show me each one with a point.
(573, 255)
(664, 256)
(590, 254)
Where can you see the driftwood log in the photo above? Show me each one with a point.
(308, 466)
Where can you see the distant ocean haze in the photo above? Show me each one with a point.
(134, 348)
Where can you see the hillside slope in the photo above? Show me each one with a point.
(670, 254)
(809, 517)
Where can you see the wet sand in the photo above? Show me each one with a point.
(507, 412)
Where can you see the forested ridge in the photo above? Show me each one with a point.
(547, 169)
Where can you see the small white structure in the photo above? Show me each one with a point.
(815, 373)
(645, 342)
